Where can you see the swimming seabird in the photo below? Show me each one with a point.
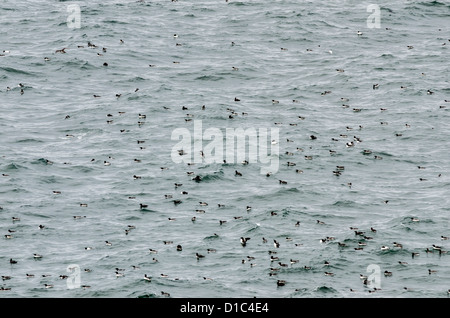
(244, 240)
(276, 243)
(397, 245)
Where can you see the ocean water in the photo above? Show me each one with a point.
(55, 137)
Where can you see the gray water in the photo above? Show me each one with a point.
(55, 136)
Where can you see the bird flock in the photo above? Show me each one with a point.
(275, 263)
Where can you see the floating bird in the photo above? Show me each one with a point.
(199, 256)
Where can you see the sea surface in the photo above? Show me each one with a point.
(376, 174)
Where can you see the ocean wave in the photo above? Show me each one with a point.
(14, 166)
(325, 290)
(29, 140)
(147, 295)
(16, 71)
